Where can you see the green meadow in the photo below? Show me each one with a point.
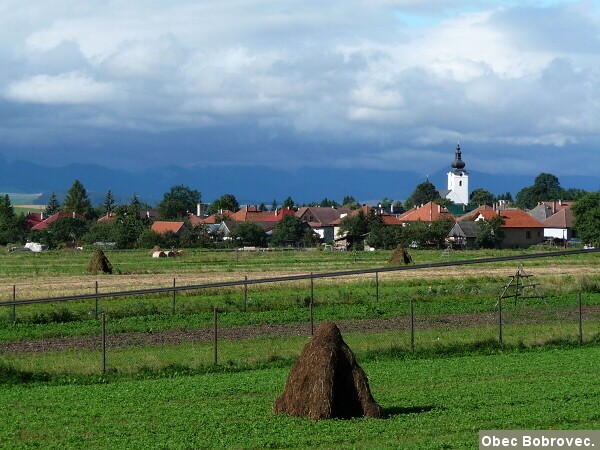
(437, 391)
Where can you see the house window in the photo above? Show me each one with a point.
(528, 235)
(460, 183)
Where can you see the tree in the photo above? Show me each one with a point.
(226, 202)
(288, 203)
(67, 229)
(288, 231)
(11, 229)
(586, 213)
(128, 226)
(350, 202)
(481, 197)
(108, 204)
(546, 187)
(248, 234)
(355, 227)
(178, 202)
(326, 203)
(423, 193)
(53, 206)
(77, 200)
(274, 205)
(490, 234)
(262, 207)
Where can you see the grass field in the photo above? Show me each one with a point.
(430, 403)
(169, 394)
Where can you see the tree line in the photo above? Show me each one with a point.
(128, 227)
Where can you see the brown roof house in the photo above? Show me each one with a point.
(559, 225)
(322, 220)
(520, 229)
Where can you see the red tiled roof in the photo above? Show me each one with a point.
(32, 219)
(513, 218)
(426, 213)
(251, 215)
(472, 215)
(54, 217)
(161, 227)
(280, 214)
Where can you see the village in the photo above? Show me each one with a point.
(455, 218)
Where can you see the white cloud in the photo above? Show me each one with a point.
(343, 70)
(66, 89)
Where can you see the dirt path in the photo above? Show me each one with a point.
(138, 339)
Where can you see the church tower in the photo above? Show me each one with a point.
(458, 180)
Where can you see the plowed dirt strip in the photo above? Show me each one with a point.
(124, 340)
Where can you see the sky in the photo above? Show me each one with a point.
(380, 84)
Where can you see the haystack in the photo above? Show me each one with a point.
(400, 257)
(326, 382)
(99, 263)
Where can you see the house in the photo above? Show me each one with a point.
(559, 225)
(32, 219)
(161, 227)
(426, 213)
(520, 229)
(54, 217)
(321, 220)
(463, 234)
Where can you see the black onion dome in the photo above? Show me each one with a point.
(458, 163)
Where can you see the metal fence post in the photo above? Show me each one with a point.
(311, 305)
(500, 320)
(103, 343)
(580, 320)
(377, 286)
(245, 293)
(412, 327)
(14, 311)
(173, 308)
(215, 335)
(96, 310)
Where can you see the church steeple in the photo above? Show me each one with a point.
(458, 179)
(458, 164)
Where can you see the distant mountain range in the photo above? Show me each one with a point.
(250, 185)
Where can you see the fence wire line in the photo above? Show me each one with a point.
(247, 282)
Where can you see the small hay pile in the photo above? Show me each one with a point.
(326, 382)
(99, 263)
(399, 257)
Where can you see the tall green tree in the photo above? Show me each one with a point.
(225, 202)
(586, 213)
(108, 204)
(11, 228)
(288, 231)
(424, 193)
(481, 197)
(288, 203)
(53, 206)
(77, 200)
(178, 202)
(546, 187)
(248, 234)
(490, 233)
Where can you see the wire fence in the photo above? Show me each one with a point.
(263, 320)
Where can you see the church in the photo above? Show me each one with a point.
(458, 181)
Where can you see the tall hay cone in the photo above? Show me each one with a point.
(326, 382)
(99, 263)
(400, 257)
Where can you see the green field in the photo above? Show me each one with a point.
(429, 403)
(458, 380)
